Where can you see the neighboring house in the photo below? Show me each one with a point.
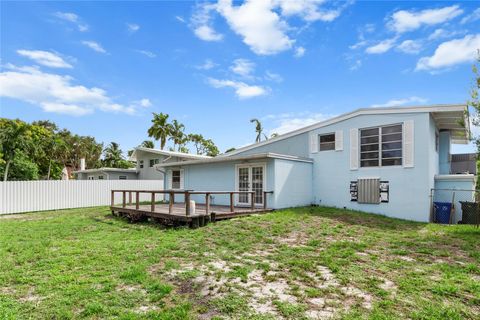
(107, 174)
(145, 159)
(379, 160)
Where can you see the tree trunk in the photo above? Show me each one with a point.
(5, 175)
(49, 168)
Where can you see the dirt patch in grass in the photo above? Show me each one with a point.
(293, 264)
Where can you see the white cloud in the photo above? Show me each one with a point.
(94, 46)
(381, 47)
(243, 67)
(45, 58)
(474, 16)
(55, 93)
(299, 52)
(147, 53)
(262, 24)
(73, 18)
(207, 33)
(145, 103)
(410, 46)
(207, 65)
(69, 109)
(403, 20)
(132, 27)
(270, 76)
(180, 19)
(442, 34)
(451, 52)
(309, 10)
(356, 64)
(260, 27)
(202, 25)
(287, 122)
(400, 102)
(242, 90)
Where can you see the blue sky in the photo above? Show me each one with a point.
(102, 68)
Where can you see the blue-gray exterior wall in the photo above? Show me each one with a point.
(327, 180)
(292, 183)
(295, 146)
(409, 187)
(290, 180)
(444, 154)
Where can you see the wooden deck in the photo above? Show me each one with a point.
(178, 213)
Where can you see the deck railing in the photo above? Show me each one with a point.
(186, 194)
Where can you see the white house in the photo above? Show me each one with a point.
(145, 159)
(379, 160)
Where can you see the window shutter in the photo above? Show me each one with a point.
(169, 181)
(339, 140)
(354, 149)
(408, 144)
(182, 175)
(313, 143)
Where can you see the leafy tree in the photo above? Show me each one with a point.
(112, 155)
(183, 149)
(197, 140)
(177, 134)
(160, 129)
(474, 101)
(13, 137)
(147, 144)
(258, 130)
(210, 148)
(22, 168)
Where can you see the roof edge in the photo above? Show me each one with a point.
(238, 158)
(349, 115)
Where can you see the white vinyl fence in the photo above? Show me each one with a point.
(27, 196)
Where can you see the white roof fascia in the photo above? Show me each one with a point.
(349, 115)
(239, 158)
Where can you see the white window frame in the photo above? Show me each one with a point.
(141, 164)
(380, 151)
(101, 177)
(182, 179)
(324, 143)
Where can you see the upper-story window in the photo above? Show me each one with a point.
(100, 177)
(176, 179)
(141, 164)
(122, 177)
(381, 146)
(326, 142)
(154, 161)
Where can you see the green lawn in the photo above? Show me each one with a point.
(293, 264)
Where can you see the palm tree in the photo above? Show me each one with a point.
(177, 134)
(160, 129)
(113, 155)
(258, 130)
(148, 144)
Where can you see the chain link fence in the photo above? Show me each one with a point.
(451, 206)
